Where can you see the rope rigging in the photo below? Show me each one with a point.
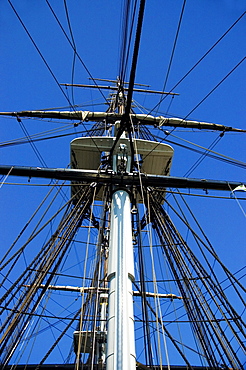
(48, 258)
(176, 282)
(46, 63)
(204, 152)
(74, 47)
(72, 44)
(200, 60)
(175, 252)
(125, 120)
(173, 50)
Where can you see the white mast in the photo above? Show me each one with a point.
(120, 338)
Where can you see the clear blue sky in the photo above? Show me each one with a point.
(27, 84)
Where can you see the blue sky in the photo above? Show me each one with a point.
(27, 84)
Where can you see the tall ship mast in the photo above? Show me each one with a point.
(116, 271)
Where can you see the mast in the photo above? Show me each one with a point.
(102, 169)
(120, 338)
(109, 163)
(114, 342)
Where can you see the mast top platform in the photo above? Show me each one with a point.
(87, 154)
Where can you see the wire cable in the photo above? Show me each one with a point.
(75, 51)
(218, 84)
(201, 59)
(39, 52)
(211, 153)
(125, 50)
(35, 149)
(74, 47)
(173, 50)
(203, 156)
(21, 141)
(125, 121)
(45, 62)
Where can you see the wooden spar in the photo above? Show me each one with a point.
(106, 177)
(143, 119)
(81, 290)
(125, 88)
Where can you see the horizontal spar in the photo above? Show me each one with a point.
(108, 177)
(112, 117)
(116, 88)
(102, 290)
